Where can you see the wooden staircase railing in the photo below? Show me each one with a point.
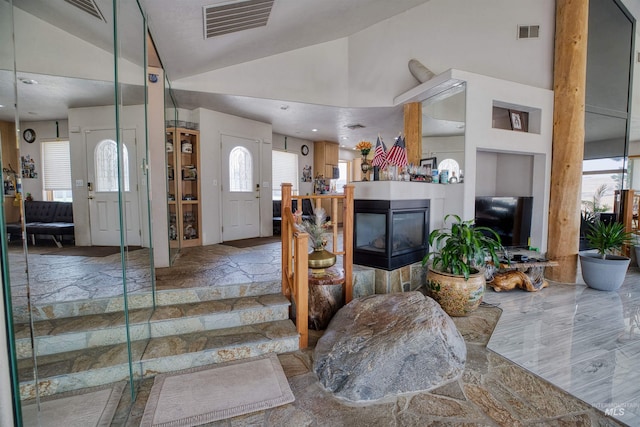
(295, 247)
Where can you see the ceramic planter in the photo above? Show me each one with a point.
(604, 274)
(456, 296)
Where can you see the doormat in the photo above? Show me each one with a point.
(256, 241)
(91, 407)
(88, 251)
(201, 395)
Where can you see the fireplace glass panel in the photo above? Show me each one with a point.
(371, 231)
(408, 232)
(389, 234)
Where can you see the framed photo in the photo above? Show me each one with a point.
(517, 120)
(429, 161)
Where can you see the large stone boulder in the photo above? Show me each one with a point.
(384, 345)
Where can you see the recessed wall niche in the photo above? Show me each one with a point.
(527, 119)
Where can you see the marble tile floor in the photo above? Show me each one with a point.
(491, 392)
(584, 341)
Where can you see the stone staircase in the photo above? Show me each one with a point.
(84, 344)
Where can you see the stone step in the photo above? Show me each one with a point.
(62, 372)
(195, 292)
(66, 334)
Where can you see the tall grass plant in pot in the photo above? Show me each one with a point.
(455, 277)
(606, 269)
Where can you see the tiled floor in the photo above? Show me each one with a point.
(491, 392)
(584, 341)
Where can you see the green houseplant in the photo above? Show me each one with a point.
(455, 277)
(606, 269)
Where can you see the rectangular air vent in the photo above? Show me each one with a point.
(88, 6)
(355, 126)
(235, 16)
(528, 31)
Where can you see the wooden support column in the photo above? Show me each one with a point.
(413, 131)
(569, 84)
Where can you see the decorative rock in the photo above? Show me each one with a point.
(384, 345)
(419, 71)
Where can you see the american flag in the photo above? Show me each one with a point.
(397, 155)
(380, 155)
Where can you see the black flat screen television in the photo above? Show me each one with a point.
(509, 217)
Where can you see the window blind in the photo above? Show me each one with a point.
(285, 169)
(56, 163)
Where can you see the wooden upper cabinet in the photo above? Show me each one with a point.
(325, 157)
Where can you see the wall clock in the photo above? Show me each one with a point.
(304, 150)
(29, 135)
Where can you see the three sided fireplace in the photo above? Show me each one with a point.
(389, 234)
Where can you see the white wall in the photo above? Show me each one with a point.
(212, 126)
(45, 49)
(482, 92)
(294, 146)
(504, 174)
(369, 68)
(315, 74)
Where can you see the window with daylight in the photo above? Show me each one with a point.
(285, 169)
(240, 170)
(106, 166)
(342, 180)
(56, 165)
(601, 178)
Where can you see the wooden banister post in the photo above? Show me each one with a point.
(286, 237)
(413, 131)
(301, 283)
(569, 85)
(347, 240)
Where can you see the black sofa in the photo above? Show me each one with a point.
(53, 219)
(307, 212)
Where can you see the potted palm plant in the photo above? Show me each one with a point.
(455, 278)
(606, 269)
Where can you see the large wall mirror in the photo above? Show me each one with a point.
(610, 57)
(75, 151)
(443, 128)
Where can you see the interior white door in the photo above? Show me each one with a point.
(103, 184)
(240, 188)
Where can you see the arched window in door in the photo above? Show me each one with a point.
(240, 170)
(106, 166)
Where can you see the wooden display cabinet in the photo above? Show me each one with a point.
(183, 166)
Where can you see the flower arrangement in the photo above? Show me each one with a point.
(316, 228)
(364, 147)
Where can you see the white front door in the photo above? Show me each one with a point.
(103, 184)
(240, 188)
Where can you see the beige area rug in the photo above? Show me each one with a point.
(200, 395)
(90, 407)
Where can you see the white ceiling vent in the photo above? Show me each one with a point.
(235, 16)
(528, 31)
(88, 6)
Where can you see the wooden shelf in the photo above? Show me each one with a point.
(185, 162)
